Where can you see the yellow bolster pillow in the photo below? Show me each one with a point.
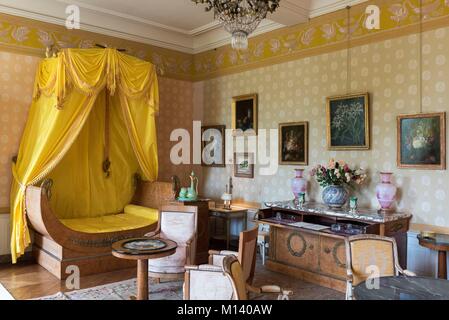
(143, 212)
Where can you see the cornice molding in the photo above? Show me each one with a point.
(274, 45)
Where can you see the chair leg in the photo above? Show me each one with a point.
(263, 253)
(349, 291)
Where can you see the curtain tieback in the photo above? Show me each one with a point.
(14, 173)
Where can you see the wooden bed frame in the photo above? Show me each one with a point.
(57, 247)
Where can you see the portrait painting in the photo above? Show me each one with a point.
(293, 143)
(244, 165)
(213, 146)
(348, 126)
(244, 114)
(422, 141)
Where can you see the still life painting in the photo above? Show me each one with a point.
(244, 114)
(348, 122)
(213, 146)
(422, 141)
(293, 143)
(244, 165)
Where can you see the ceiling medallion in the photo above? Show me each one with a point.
(240, 17)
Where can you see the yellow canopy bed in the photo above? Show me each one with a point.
(90, 133)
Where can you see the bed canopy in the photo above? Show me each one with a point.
(90, 128)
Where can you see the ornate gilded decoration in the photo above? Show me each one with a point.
(292, 251)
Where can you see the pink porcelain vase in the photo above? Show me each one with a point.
(386, 191)
(299, 183)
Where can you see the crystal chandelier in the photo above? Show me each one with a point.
(240, 17)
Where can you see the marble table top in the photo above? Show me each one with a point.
(405, 288)
(439, 239)
(360, 214)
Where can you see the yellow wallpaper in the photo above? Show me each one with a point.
(297, 91)
(16, 88)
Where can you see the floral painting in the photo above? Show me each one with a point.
(244, 165)
(293, 143)
(421, 141)
(348, 122)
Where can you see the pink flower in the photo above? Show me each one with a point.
(346, 168)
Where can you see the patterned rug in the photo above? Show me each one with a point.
(123, 290)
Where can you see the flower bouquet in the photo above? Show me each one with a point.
(333, 178)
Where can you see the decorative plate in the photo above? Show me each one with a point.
(144, 245)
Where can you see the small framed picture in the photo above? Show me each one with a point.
(213, 146)
(244, 114)
(244, 165)
(294, 143)
(422, 141)
(348, 126)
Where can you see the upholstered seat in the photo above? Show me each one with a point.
(177, 223)
(134, 217)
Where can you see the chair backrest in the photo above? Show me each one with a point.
(233, 270)
(366, 254)
(247, 253)
(178, 223)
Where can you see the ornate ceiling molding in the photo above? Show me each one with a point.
(322, 34)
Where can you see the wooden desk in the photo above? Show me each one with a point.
(236, 213)
(439, 243)
(320, 256)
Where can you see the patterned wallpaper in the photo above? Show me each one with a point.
(16, 88)
(297, 91)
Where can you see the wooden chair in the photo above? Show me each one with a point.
(177, 223)
(246, 254)
(364, 251)
(234, 272)
(225, 282)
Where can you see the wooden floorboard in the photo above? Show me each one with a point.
(28, 280)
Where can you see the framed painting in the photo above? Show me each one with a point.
(244, 114)
(244, 165)
(422, 141)
(294, 143)
(213, 146)
(348, 126)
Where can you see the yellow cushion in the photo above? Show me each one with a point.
(113, 223)
(144, 212)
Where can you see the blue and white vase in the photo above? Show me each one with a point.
(335, 196)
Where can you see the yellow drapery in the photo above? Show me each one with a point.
(61, 122)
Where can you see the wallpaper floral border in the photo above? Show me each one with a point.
(277, 46)
(34, 37)
(320, 32)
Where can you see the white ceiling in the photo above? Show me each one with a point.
(174, 24)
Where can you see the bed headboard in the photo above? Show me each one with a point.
(153, 194)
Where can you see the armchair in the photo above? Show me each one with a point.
(234, 272)
(177, 223)
(227, 282)
(363, 251)
(246, 254)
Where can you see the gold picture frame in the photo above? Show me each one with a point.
(244, 114)
(298, 152)
(221, 148)
(406, 157)
(344, 130)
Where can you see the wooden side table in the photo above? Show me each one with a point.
(439, 243)
(226, 215)
(140, 249)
